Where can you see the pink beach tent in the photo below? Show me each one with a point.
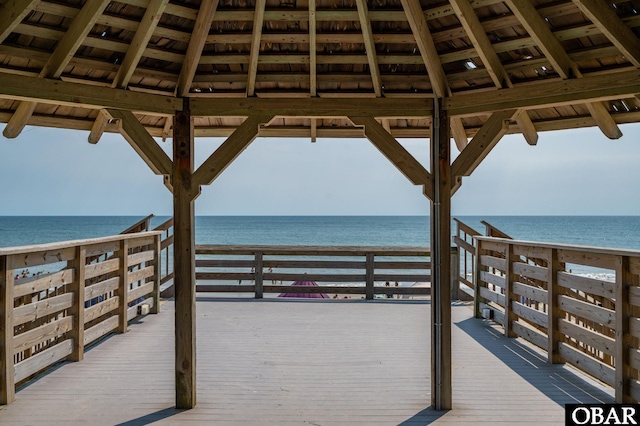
(305, 295)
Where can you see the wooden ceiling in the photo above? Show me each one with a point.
(548, 64)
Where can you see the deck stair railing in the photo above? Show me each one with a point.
(86, 290)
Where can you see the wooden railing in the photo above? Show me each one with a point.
(82, 290)
(464, 239)
(590, 323)
(339, 270)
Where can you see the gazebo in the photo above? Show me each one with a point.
(467, 70)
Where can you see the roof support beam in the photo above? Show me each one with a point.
(258, 20)
(12, 12)
(459, 134)
(313, 79)
(396, 153)
(482, 143)
(139, 42)
(557, 55)
(99, 126)
(142, 142)
(228, 151)
(196, 44)
(601, 14)
(527, 127)
(19, 119)
(369, 45)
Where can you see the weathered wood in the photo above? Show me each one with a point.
(140, 274)
(103, 287)
(124, 285)
(587, 311)
(102, 329)
(493, 262)
(157, 274)
(143, 256)
(12, 12)
(25, 287)
(530, 271)
(43, 359)
(312, 250)
(100, 309)
(140, 291)
(36, 310)
(509, 277)
(494, 279)
(586, 284)
(36, 336)
(369, 275)
(369, 46)
(532, 293)
(7, 380)
(184, 257)
(587, 337)
(622, 347)
(259, 275)
(492, 296)
(35, 257)
(77, 310)
(132, 311)
(530, 334)
(258, 20)
(586, 363)
(102, 268)
(530, 314)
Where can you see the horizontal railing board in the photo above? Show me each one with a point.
(220, 288)
(313, 250)
(530, 292)
(573, 247)
(529, 334)
(494, 279)
(588, 337)
(27, 286)
(634, 295)
(35, 258)
(532, 315)
(634, 389)
(42, 360)
(465, 228)
(466, 282)
(402, 265)
(224, 276)
(493, 262)
(498, 315)
(225, 288)
(634, 265)
(132, 311)
(634, 358)
(634, 326)
(141, 239)
(530, 271)
(495, 245)
(100, 309)
(282, 277)
(42, 308)
(97, 249)
(101, 268)
(143, 256)
(587, 284)
(140, 291)
(402, 277)
(101, 288)
(140, 274)
(166, 278)
(101, 329)
(492, 295)
(587, 311)
(39, 335)
(463, 244)
(531, 252)
(50, 249)
(586, 363)
(599, 260)
(224, 263)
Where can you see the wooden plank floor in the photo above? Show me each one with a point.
(304, 363)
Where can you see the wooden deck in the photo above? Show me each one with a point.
(305, 362)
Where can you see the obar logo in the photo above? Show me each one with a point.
(602, 414)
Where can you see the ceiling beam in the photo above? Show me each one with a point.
(142, 142)
(19, 119)
(603, 119)
(139, 42)
(369, 46)
(550, 93)
(99, 127)
(58, 92)
(605, 18)
(313, 77)
(196, 44)
(482, 143)
(458, 133)
(476, 33)
(228, 151)
(527, 127)
(258, 21)
(395, 152)
(12, 12)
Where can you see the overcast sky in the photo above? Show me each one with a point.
(576, 172)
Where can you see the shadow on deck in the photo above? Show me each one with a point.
(305, 362)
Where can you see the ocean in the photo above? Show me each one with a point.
(598, 231)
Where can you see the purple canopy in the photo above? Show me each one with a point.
(305, 295)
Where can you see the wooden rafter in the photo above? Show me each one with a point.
(228, 151)
(196, 44)
(482, 143)
(527, 127)
(258, 20)
(612, 27)
(142, 142)
(394, 152)
(139, 42)
(459, 134)
(557, 55)
(167, 129)
(12, 12)
(313, 83)
(99, 126)
(369, 45)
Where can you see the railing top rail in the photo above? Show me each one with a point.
(602, 250)
(491, 228)
(312, 250)
(466, 228)
(5, 251)
(165, 225)
(137, 224)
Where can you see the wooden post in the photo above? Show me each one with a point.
(509, 317)
(123, 289)
(184, 258)
(455, 273)
(623, 277)
(157, 273)
(77, 310)
(259, 283)
(369, 275)
(554, 312)
(7, 382)
(441, 261)
(477, 268)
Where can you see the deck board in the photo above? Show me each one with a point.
(305, 362)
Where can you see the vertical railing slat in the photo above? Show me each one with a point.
(77, 310)
(7, 383)
(623, 277)
(259, 285)
(157, 274)
(123, 289)
(369, 275)
(553, 310)
(509, 316)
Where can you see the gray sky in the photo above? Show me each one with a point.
(576, 172)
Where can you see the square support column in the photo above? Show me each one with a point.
(441, 260)
(184, 258)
